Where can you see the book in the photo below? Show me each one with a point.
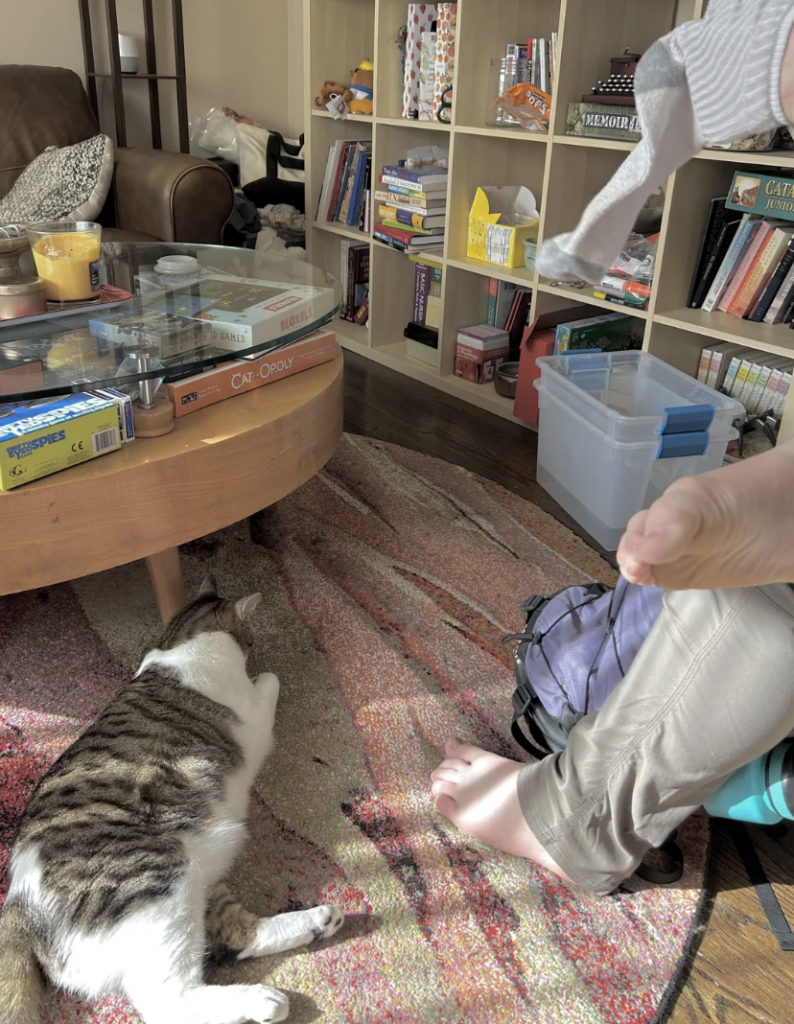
(420, 19)
(363, 156)
(433, 317)
(388, 223)
(713, 232)
(357, 287)
(703, 366)
(422, 276)
(776, 312)
(418, 244)
(427, 189)
(353, 162)
(189, 394)
(742, 272)
(421, 176)
(720, 354)
(338, 179)
(410, 201)
(421, 221)
(237, 313)
(769, 253)
(774, 283)
(733, 257)
(328, 180)
(405, 235)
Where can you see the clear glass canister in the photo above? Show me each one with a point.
(504, 73)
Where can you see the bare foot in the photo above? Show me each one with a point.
(728, 528)
(478, 792)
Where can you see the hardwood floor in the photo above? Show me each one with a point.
(739, 975)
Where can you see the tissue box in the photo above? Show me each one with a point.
(501, 243)
(479, 351)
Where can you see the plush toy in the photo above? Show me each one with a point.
(361, 87)
(331, 91)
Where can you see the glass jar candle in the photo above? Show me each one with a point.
(67, 259)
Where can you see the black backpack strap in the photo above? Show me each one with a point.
(778, 924)
(523, 698)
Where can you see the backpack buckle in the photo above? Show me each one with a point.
(533, 603)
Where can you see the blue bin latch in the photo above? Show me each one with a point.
(685, 431)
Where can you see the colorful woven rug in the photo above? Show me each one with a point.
(388, 580)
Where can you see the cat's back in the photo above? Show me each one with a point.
(108, 823)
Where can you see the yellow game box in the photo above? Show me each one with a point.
(39, 439)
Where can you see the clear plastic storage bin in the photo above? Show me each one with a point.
(616, 429)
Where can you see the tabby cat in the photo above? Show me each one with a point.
(116, 874)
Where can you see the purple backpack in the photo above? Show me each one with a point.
(574, 650)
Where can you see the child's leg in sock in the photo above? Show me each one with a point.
(687, 93)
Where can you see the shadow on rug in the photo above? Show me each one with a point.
(388, 581)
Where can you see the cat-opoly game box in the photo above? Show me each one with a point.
(37, 440)
(189, 394)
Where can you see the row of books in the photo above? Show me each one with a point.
(354, 278)
(533, 61)
(412, 207)
(759, 381)
(745, 266)
(430, 35)
(345, 197)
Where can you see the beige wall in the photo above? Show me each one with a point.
(245, 54)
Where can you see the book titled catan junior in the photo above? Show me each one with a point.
(762, 194)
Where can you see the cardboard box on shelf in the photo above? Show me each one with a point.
(500, 219)
(479, 351)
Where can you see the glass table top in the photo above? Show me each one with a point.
(239, 303)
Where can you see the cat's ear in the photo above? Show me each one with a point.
(208, 587)
(246, 606)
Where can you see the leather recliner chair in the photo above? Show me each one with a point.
(171, 197)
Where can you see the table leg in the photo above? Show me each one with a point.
(166, 576)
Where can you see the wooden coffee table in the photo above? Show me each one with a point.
(218, 466)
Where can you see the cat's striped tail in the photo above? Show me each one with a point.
(21, 985)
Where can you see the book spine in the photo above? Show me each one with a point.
(703, 367)
(774, 284)
(351, 283)
(344, 248)
(403, 201)
(738, 280)
(749, 384)
(780, 395)
(406, 175)
(734, 254)
(401, 183)
(707, 241)
(757, 393)
(360, 282)
(774, 315)
(427, 75)
(730, 376)
(741, 376)
(749, 292)
(393, 242)
(421, 292)
(413, 220)
(493, 291)
(770, 391)
(714, 367)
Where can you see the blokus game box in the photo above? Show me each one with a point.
(189, 394)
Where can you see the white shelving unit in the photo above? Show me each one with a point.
(563, 172)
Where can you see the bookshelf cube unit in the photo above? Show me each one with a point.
(563, 172)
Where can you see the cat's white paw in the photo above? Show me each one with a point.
(268, 683)
(265, 1005)
(325, 921)
(288, 931)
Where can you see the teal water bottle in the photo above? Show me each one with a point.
(761, 792)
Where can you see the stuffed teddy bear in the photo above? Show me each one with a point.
(361, 88)
(332, 91)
